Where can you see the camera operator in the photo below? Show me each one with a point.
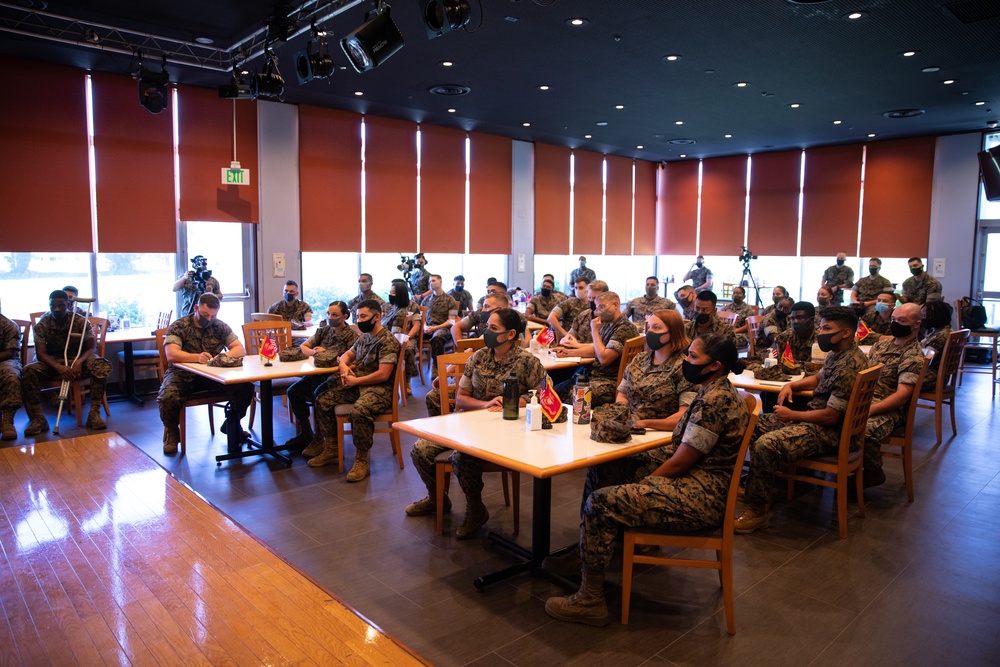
(196, 282)
(420, 278)
(699, 275)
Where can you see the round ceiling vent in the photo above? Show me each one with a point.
(450, 89)
(903, 113)
(681, 142)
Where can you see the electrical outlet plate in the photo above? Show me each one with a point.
(278, 264)
(938, 267)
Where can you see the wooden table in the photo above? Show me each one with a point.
(541, 454)
(127, 337)
(748, 382)
(555, 363)
(255, 371)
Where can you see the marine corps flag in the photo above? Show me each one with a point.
(787, 358)
(268, 350)
(863, 331)
(545, 337)
(552, 406)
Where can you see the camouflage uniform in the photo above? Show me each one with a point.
(934, 341)
(297, 310)
(483, 379)
(699, 276)
(921, 289)
(54, 335)
(801, 349)
(743, 311)
(878, 326)
(834, 277)
(369, 400)
(420, 281)
(770, 325)
(353, 304)
(715, 325)
(396, 320)
(179, 384)
(687, 312)
(639, 308)
(438, 308)
(568, 309)
(775, 441)
(902, 366)
(10, 370)
(541, 306)
(869, 287)
(714, 424)
(302, 392)
(463, 299)
(578, 273)
(190, 293)
(581, 327)
(603, 379)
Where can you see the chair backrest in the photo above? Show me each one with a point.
(420, 332)
(100, 325)
(911, 411)
(753, 326)
(24, 327)
(632, 347)
(951, 359)
(727, 290)
(254, 334)
(856, 416)
(729, 317)
(470, 344)
(399, 380)
(163, 319)
(161, 334)
(756, 309)
(35, 317)
(753, 403)
(265, 317)
(450, 369)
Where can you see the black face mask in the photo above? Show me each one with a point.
(546, 292)
(780, 315)
(737, 299)
(917, 271)
(459, 288)
(491, 338)
(776, 299)
(699, 264)
(593, 306)
(824, 342)
(803, 329)
(694, 373)
(873, 270)
(703, 318)
(202, 321)
(654, 341)
(289, 297)
(823, 302)
(900, 330)
(840, 262)
(366, 326)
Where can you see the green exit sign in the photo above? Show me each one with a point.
(235, 176)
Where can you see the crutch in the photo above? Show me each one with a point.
(64, 387)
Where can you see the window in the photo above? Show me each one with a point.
(137, 285)
(331, 276)
(27, 278)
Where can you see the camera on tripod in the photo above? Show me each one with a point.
(746, 255)
(201, 273)
(406, 265)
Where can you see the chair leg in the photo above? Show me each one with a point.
(628, 550)
(859, 488)
(341, 429)
(183, 426)
(253, 408)
(907, 457)
(515, 482)
(441, 471)
(506, 488)
(726, 580)
(842, 504)
(211, 419)
(77, 390)
(397, 447)
(951, 404)
(937, 420)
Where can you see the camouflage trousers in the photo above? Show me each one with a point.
(621, 471)
(774, 442)
(692, 502)
(301, 394)
(441, 341)
(37, 373)
(179, 386)
(368, 402)
(10, 384)
(878, 429)
(411, 358)
(467, 469)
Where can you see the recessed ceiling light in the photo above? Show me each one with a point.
(741, 84)
(908, 54)
(588, 136)
(619, 106)
(602, 123)
(577, 22)
(795, 105)
(543, 88)
(678, 122)
(837, 122)
(510, 19)
(358, 93)
(204, 40)
(446, 63)
(683, 155)
(931, 69)
(639, 146)
(871, 134)
(854, 15)
(980, 103)
(526, 124)
(672, 58)
(451, 110)
(728, 136)
(948, 82)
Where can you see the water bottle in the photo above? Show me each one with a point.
(125, 322)
(511, 397)
(581, 402)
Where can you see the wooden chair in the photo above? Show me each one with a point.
(844, 462)
(343, 414)
(753, 326)
(35, 317)
(727, 290)
(902, 437)
(254, 335)
(632, 347)
(756, 309)
(213, 399)
(719, 539)
(729, 318)
(979, 339)
(420, 346)
(265, 317)
(402, 339)
(145, 358)
(80, 387)
(947, 380)
(24, 327)
(470, 344)
(450, 368)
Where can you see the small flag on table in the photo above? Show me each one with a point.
(545, 337)
(863, 331)
(552, 406)
(269, 349)
(787, 358)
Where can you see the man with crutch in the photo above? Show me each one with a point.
(64, 350)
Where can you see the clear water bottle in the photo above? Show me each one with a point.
(125, 322)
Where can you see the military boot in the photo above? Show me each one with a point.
(171, 438)
(327, 456)
(303, 437)
(38, 423)
(315, 447)
(94, 420)
(360, 469)
(586, 606)
(7, 424)
(476, 516)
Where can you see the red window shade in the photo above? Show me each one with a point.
(896, 215)
(442, 189)
(645, 207)
(329, 180)
(491, 194)
(774, 203)
(619, 202)
(551, 200)
(588, 203)
(831, 200)
(43, 131)
(134, 153)
(677, 208)
(390, 185)
(205, 143)
(723, 204)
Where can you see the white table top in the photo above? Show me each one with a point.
(254, 371)
(748, 382)
(540, 454)
(131, 335)
(553, 363)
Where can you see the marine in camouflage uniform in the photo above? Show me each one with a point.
(638, 308)
(869, 287)
(420, 281)
(801, 349)
(476, 321)
(921, 289)
(438, 307)
(878, 324)
(567, 311)
(353, 304)
(715, 325)
(190, 294)
(483, 380)
(292, 311)
(699, 277)
(541, 306)
(582, 272)
(178, 385)
(54, 334)
(743, 310)
(369, 400)
(397, 320)
(463, 298)
(771, 325)
(302, 392)
(603, 379)
(10, 375)
(902, 366)
(581, 327)
(834, 277)
(775, 441)
(934, 340)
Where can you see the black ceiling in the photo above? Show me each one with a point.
(802, 52)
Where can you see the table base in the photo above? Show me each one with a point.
(265, 446)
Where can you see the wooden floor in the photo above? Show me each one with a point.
(107, 559)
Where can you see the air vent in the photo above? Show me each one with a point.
(973, 11)
(681, 142)
(450, 90)
(903, 113)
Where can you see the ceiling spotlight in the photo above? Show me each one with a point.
(678, 122)
(978, 104)
(728, 136)
(837, 122)
(543, 88)
(526, 124)
(855, 15)
(375, 41)
(908, 54)
(318, 65)
(639, 147)
(452, 110)
(446, 63)
(577, 22)
(268, 84)
(237, 88)
(741, 84)
(795, 105)
(948, 82)
(672, 58)
(588, 136)
(153, 87)
(619, 106)
(871, 135)
(441, 16)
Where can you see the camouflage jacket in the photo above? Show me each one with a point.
(484, 375)
(420, 281)
(715, 325)
(934, 340)
(836, 379)
(353, 304)
(541, 306)
(54, 335)
(297, 310)
(902, 366)
(877, 325)
(463, 299)
(578, 273)
(656, 391)
(699, 276)
(921, 289)
(743, 311)
(370, 351)
(637, 309)
(10, 338)
(837, 275)
(713, 424)
(395, 318)
(770, 325)
(613, 335)
(581, 327)
(190, 293)
(438, 307)
(333, 340)
(568, 309)
(801, 349)
(869, 287)
(193, 339)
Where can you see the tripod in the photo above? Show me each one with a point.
(744, 283)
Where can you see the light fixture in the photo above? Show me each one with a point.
(577, 22)
(441, 16)
(908, 54)
(931, 69)
(358, 93)
(310, 65)
(980, 103)
(619, 106)
(672, 58)
(871, 135)
(204, 40)
(237, 88)
(543, 88)
(639, 147)
(837, 122)
(588, 136)
(452, 110)
(741, 84)
(153, 86)
(728, 136)
(268, 84)
(795, 105)
(375, 41)
(526, 124)
(948, 82)
(678, 122)
(446, 63)
(855, 15)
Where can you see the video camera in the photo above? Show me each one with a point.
(746, 255)
(406, 265)
(201, 273)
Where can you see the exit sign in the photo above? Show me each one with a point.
(235, 176)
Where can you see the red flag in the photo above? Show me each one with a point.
(787, 358)
(545, 337)
(863, 331)
(552, 407)
(269, 349)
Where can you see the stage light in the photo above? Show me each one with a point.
(441, 16)
(318, 65)
(237, 88)
(268, 84)
(374, 42)
(153, 87)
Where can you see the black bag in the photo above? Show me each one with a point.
(973, 317)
